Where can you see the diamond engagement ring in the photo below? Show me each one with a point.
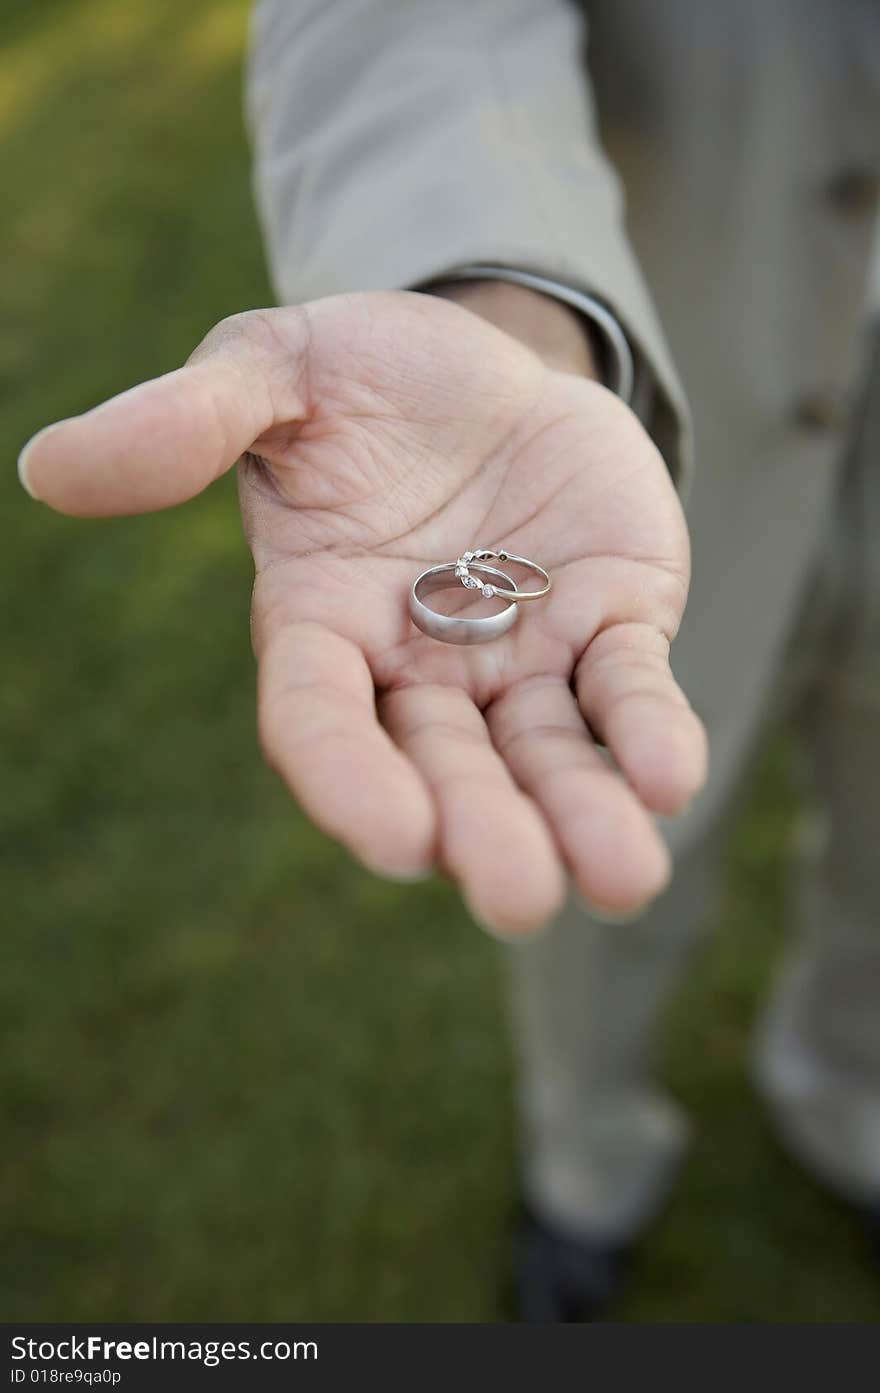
(453, 628)
(466, 563)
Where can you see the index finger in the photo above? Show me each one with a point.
(320, 730)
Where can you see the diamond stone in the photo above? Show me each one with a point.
(488, 591)
(470, 582)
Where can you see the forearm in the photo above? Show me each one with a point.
(560, 336)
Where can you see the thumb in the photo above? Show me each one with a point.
(165, 441)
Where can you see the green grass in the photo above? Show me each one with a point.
(240, 1078)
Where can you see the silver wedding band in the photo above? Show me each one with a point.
(452, 628)
(471, 571)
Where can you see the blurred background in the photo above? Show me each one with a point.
(240, 1078)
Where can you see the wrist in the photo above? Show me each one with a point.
(558, 334)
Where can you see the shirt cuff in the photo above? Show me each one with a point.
(618, 363)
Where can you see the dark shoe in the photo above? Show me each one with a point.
(561, 1277)
(869, 1218)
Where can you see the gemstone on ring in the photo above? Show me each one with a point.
(482, 554)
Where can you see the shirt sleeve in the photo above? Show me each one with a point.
(618, 364)
(399, 141)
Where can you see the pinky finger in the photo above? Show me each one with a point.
(633, 704)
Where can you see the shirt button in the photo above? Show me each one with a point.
(819, 410)
(854, 191)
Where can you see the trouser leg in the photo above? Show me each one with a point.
(600, 1139)
(818, 1048)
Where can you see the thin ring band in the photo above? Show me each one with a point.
(451, 628)
(465, 562)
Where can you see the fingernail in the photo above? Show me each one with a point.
(405, 875)
(510, 937)
(619, 916)
(613, 916)
(24, 477)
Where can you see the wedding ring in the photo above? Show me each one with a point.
(453, 628)
(466, 563)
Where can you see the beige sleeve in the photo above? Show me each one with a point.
(399, 140)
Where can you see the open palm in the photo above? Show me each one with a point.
(380, 434)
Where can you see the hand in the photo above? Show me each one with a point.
(379, 434)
